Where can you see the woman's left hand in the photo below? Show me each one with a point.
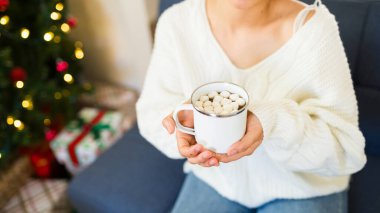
(248, 144)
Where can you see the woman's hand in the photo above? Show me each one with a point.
(187, 145)
(248, 144)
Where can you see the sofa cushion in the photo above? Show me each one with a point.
(369, 117)
(368, 71)
(132, 176)
(364, 193)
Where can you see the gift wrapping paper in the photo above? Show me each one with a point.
(84, 139)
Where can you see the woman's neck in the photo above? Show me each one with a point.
(240, 13)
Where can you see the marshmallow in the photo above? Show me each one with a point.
(234, 97)
(207, 103)
(225, 112)
(218, 110)
(226, 101)
(235, 105)
(228, 108)
(217, 98)
(216, 104)
(209, 109)
(200, 108)
(212, 94)
(204, 98)
(240, 101)
(225, 94)
(198, 104)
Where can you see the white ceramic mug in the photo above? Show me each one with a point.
(215, 132)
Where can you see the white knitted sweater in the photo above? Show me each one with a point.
(302, 94)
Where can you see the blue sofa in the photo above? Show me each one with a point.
(134, 177)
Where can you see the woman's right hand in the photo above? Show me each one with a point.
(187, 145)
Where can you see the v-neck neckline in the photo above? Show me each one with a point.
(263, 61)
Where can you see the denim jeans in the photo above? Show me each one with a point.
(197, 196)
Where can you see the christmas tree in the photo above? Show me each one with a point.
(38, 72)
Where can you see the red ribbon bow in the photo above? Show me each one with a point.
(86, 129)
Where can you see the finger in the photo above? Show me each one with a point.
(183, 147)
(187, 137)
(229, 158)
(169, 124)
(195, 149)
(204, 165)
(203, 157)
(241, 145)
(186, 149)
(212, 162)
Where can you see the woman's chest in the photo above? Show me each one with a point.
(247, 49)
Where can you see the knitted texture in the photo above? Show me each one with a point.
(302, 94)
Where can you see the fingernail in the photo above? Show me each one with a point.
(206, 155)
(233, 152)
(169, 124)
(213, 162)
(166, 124)
(197, 149)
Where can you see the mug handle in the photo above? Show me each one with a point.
(178, 124)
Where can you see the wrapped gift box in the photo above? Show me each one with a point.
(38, 196)
(84, 139)
(113, 97)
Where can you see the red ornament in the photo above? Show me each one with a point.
(50, 134)
(62, 66)
(42, 163)
(4, 5)
(18, 74)
(72, 22)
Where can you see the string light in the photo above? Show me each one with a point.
(22, 127)
(25, 33)
(57, 39)
(57, 95)
(4, 20)
(47, 122)
(10, 120)
(59, 6)
(48, 36)
(68, 78)
(55, 16)
(19, 125)
(65, 28)
(27, 103)
(79, 54)
(19, 84)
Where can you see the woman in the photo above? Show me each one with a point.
(302, 140)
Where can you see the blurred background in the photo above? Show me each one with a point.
(70, 74)
(118, 38)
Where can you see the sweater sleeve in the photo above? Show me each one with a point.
(161, 92)
(317, 132)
